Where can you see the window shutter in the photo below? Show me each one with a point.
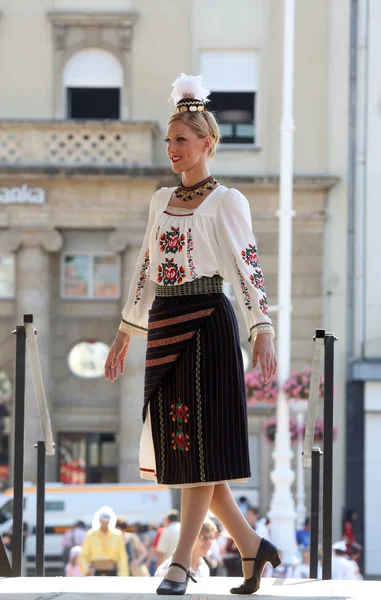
(230, 71)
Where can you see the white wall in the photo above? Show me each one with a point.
(373, 183)
(26, 54)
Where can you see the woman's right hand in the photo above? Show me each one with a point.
(116, 355)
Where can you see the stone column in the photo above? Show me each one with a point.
(128, 242)
(33, 295)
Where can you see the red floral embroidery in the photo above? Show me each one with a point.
(180, 414)
(244, 287)
(170, 273)
(257, 280)
(142, 277)
(250, 256)
(172, 241)
(264, 305)
(192, 268)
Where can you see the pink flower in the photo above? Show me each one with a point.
(259, 392)
(298, 384)
(269, 430)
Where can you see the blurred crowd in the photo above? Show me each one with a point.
(113, 547)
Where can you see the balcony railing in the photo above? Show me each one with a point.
(77, 143)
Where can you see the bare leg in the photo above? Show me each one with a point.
(225, 508)
(194, 506)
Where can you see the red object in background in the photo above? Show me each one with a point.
(4, 471)
(348, 535)
(156, 539)
(72, 472)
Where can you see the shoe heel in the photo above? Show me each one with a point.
(275, 560)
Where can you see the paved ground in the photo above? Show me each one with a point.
(104, 588)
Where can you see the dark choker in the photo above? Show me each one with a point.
(188, 193)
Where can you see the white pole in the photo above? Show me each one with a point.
(282, 511)
(299, 407)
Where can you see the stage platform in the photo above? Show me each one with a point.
(134, 588)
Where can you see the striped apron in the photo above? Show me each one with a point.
(194, 413)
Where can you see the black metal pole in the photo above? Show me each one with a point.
(328, 455)
(18, 472)
(315, 501)
(40, 516)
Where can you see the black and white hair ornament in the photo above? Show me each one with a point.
(189, 93)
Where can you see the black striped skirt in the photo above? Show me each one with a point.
(195, 418)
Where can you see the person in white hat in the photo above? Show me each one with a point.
(341, 568)
(103, 549)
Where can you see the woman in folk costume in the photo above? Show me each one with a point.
(195, 424)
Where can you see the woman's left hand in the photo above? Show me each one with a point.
(264, 350)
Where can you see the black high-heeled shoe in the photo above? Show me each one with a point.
(175, 588)
(267, 552)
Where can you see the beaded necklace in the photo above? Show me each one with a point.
(188, 193)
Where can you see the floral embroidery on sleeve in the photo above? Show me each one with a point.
(257, 280)
(170, 273)
(264, 306)
(244, 287)
(172, 241)
(192, 268)
(250, 256)
(180, 414)
(142, 277)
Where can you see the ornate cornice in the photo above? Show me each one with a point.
(93, 22)
(118, 239)
(165, 176)
(323, 182)
(12, 239)
(93, 19)
(126, 238)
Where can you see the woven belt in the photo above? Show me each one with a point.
(202, 285)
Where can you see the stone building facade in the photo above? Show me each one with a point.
(95, 176)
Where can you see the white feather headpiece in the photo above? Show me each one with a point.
(189, 86)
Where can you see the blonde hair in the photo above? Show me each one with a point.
(208, 527)
(203, 124)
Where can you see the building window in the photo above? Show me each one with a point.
(93, 83)
(93, 103)
(90, 276)
(7, 276)
(87, 458)
(235, 112)
(87, 359)
(54, 506)
(233, 80)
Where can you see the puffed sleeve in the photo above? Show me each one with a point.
(239, 262)
(142, 289)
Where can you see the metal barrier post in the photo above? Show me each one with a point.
(328, 455)
(18, 472)
(317, 365)
(40, 515)
(315, 501)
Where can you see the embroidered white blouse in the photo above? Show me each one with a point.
(181, 245)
